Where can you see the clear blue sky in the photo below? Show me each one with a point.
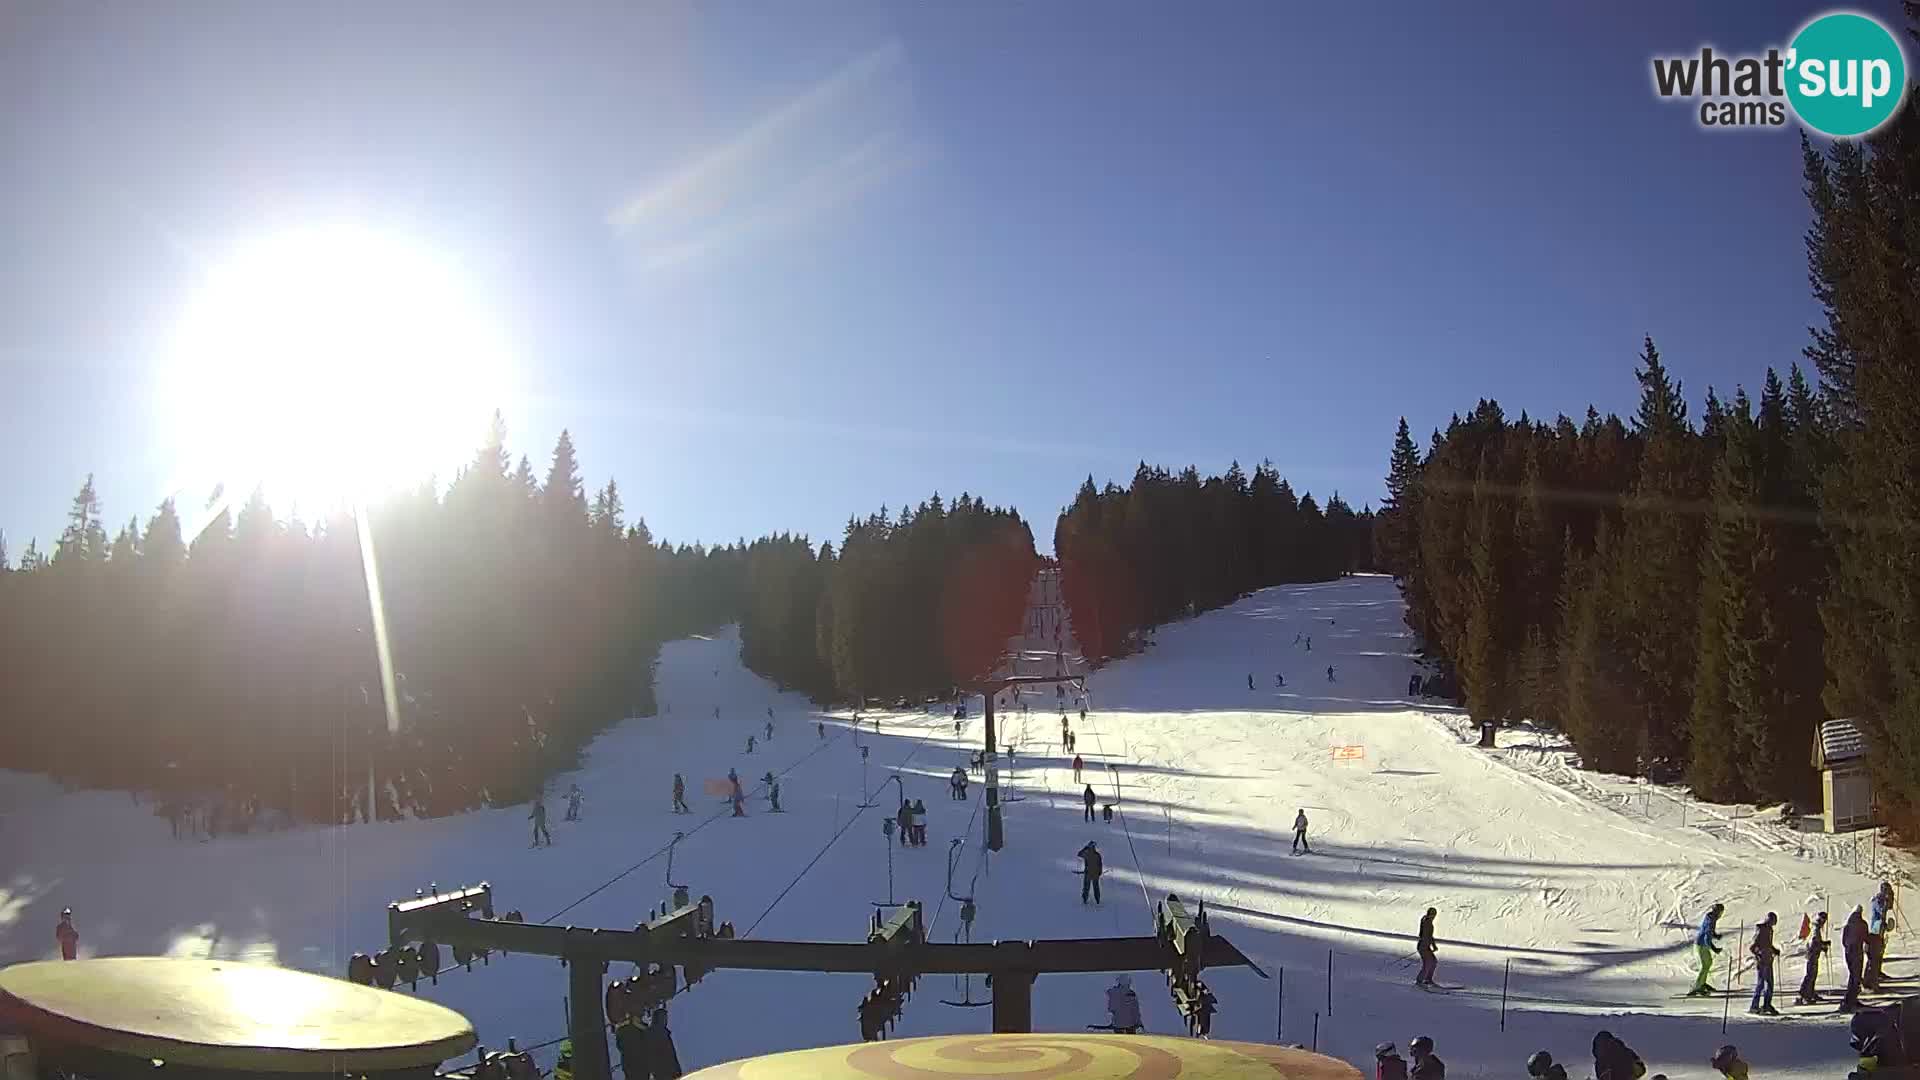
(774, 268)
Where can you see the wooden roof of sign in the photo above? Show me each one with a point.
(219, 1014)
(1838, 741)
(1041, 1056)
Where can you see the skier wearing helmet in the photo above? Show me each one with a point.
(67, 935)
(1426, 1064)
(1388, 1064)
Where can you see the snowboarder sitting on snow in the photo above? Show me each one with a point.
(1427, 949)
(1300, 832)
(1092, 866)
(1613, 1060)
(1426, 1064)
(67, 935)
(1705, 944)
(539, 819)
(1123, 1006)
(1816, 945)
(1388, 1064)
(1087, 797)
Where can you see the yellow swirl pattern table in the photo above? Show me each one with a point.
(1038, 1056)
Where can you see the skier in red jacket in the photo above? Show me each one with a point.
(67, 936)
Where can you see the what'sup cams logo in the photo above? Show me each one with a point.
(1842, 75)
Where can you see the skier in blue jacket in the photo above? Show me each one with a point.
(1705, 943)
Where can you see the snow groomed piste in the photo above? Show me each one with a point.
(1583, 913)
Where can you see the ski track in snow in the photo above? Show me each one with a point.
(1528, 860)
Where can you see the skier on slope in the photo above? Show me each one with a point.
(1123, 1006)
(1427, 948)
(749, 744)
(1853, 946)
(1249, 680)
(1088, 798)
(1705, 944)
(1091, 867)
(1077, 765)
(539, 819)
(1300, 832)
(821, 727)
(1816, 945)
(1329, 672)
(773, 795)
(1877, 934)
(1763, 951)
(680, 795)
(769, 731)
(67, 935)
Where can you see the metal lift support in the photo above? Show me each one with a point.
(996, 830)
(896, 952)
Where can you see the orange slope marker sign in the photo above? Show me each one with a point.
(1349, 753)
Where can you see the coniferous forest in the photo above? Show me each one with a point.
(237, 669)
(1166, 546)
(1687, 595)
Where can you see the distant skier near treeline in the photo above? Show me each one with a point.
(1706, 942)
(1428, 950)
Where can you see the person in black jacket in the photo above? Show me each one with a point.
(1853, 946)
(1091, 867)
(1426, 1064)
(1088, 799)
(1427, 949)
(1613, 1060)
(1763, 951)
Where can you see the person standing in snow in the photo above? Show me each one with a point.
(1853, 946)
(821, 727)
(1329, 672)
(680, 795)
(749, 744)
(769, 731)
(903, 821)
(1091, 867)
(1249, 680)
(773, 795)
(539, 819)
(919, 823)
(1123, 1006)
(957, 784)
(1077, 766)
(67, 935)
(1083, 714)
(1706, 942)
(1763, 953)
(1087, 797)
(1388, 1064)
(1877, 934)
(1816, 945)
(1300, 832)
(1426, 1064)
(739, 801)
(1427, 948)
(574, 796)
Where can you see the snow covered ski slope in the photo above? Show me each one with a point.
(1583, 910)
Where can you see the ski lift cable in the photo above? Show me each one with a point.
(710, 819)
(1139, 873)
(978, 798)
(858, 811)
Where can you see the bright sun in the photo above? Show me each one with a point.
(329, 364)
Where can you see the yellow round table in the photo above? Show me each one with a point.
(1038, 1056)
(217, 1014)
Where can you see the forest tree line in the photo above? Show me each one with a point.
(1689, 598)
(1167, 546)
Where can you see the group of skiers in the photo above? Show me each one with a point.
(912, 821)
(1389, 1065)
(1863, 945)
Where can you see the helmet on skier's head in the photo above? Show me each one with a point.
(1539, 1063)
(1385, 1049)
(1724, 1057)
(1124, 982)
(1421, 1045)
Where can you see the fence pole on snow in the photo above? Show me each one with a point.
(1280, 1010)
(1726, 1006)
(1504, 980)
(1316, 1032)
(1329, 982)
